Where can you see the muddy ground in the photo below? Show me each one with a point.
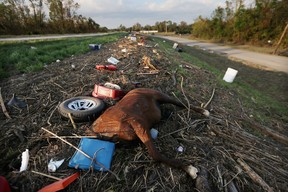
(224, 144)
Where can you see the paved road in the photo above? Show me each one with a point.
(51, 37)
(265, 61)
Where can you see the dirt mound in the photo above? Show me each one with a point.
(224, 145)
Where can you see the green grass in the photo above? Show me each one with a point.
(30, 56)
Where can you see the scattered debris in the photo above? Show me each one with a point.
(53, 165)
(175, 45)
(230, 75)
(25, 160)
(133, 38)
(59, 185)
(106, 67)
(154, 133)
(108, 90)
(113, 60)
(14, 101)
(95, 46)
(58, 61)
(203, 137)
(81, 108)
(180, 149)
(100, 151)
(146, 61)
(85, 154)
(4, 185)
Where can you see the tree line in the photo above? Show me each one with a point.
(30, 17)
(161, 26)
(261, 23)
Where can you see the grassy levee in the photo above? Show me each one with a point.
(260, 91)
(30, 56)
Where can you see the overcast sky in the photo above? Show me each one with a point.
(112, 13)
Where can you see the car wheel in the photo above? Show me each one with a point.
(82, 108)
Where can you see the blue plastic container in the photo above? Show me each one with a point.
(101, 151)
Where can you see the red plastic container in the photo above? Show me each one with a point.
(106, 67)
(103, 92)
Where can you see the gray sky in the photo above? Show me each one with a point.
(112, 13)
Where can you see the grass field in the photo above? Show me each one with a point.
(30, 56)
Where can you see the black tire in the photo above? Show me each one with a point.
(82, 108)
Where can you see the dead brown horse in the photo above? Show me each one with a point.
(133, 116)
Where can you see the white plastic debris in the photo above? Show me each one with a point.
(57, 60)
(154, 133)
(175, 45)
(133, 38)
(230, 75)
(112, 86)
(54, 165)
(25, 160)
(192, 171)
(180, 149)
(73, 66)
(124, 50)
(113, 60)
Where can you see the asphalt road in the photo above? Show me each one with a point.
(51, 37)
(261, 60)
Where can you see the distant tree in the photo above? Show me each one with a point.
(137, 27)
(122, 28)
(183, 28)
(37, 23)
(217, 22)
(172, 27)
(147, 27)
(201, 28)
(160, 26)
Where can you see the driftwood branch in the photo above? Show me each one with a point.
(152, 73)
(49, 176)
(72, 121)
(3, 106)
(254, 176)
(269, 132)
(208, 102)
(174, 77)
(48, 121)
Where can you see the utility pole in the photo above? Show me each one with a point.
(281, 38)
(166, 26)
